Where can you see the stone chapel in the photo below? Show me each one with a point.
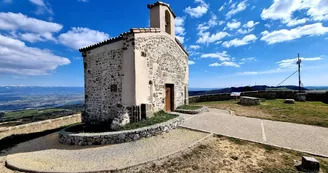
(139, 72)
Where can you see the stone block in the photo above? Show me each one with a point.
(249, 101)
(309, 164)
(289, 101)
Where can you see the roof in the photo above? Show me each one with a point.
(120, 37)
(161, 3)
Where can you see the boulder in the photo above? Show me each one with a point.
(120, 121)
(289, 101)
(249, 101)
(309, 164)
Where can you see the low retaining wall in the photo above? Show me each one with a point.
(310, 96)
(119, 136)
(197, 111)
(211, 97)
(40, 126)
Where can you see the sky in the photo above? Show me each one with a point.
(230, 42)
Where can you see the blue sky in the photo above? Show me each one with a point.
(231, 43)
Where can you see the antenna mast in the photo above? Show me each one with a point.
(299, 73)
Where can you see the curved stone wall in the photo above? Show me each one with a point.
(118, 136)
(197, 111)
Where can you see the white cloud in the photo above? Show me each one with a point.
(179, 28)
(290, 63)
(239, 42)
(18, 21)
(250, 24)
(194, 47)
(79, 37)
(245, 60)
(233, 25)
(226, 63)
(181, 39)
(35, 29)
(222, 56)
(287, 65)
(236, 9)
(221, 22)
(283, 10)
(248, 27)
(32, 37)
(42, 7)
(17, 58)
(292, 34)
(206, 37)
(191, 62)
(198, 11)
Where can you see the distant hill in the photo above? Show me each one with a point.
(243, 89)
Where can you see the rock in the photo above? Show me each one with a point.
(309, 164)
(249, 101)
(120, 121)
(289, 101)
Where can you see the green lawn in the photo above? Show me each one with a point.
(189, 107)
(158, 117)
(313, 113)
(32, 115)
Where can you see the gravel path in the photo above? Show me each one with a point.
(47, 155)
(304, 138)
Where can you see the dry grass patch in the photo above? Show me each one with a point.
(312, 113)
(222, 154)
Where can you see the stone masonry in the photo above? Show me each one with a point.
(165, 61)
(126, 76)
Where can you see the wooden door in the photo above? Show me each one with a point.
(169, 97)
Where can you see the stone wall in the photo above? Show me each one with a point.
(261, 94)
(119, 136)
(167, 64)
(40, 126)
(210, 97)
(103, 85)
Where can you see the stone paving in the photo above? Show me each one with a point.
(46, 154)
(305, 138)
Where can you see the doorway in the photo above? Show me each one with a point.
(169, 97)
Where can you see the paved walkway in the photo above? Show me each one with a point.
(45, 154)
(305, 138)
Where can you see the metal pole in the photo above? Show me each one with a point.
(299, 73)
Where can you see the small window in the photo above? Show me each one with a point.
(113, 88)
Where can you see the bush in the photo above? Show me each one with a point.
(2, 114)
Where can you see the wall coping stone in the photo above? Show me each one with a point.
(197, 111)
(116, 137)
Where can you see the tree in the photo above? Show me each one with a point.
(2, 114)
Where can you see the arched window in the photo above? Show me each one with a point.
(167, 22)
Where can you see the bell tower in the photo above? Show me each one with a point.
(162, 16)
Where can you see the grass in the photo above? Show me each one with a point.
(189, 107)
(225, 154)
(158, 117)
(32, 115)
(312, 113)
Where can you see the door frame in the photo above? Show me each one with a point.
(171, 86)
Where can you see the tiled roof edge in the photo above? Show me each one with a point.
(120, 37)
(161, 3)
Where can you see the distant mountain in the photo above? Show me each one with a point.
(244, 88)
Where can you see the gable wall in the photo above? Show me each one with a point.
(159, 61)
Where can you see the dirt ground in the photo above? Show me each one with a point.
(222, 154)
